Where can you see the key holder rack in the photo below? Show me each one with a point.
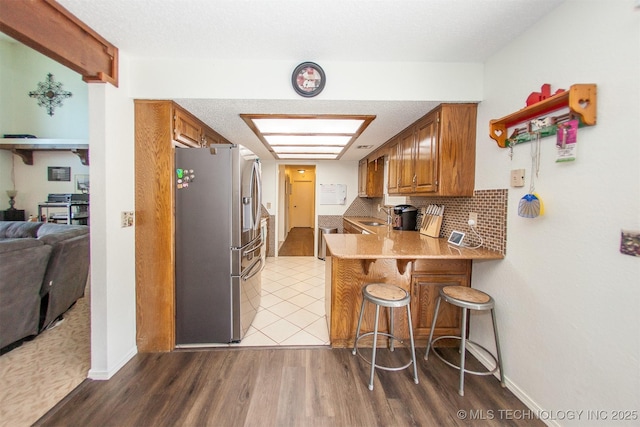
(580, 99)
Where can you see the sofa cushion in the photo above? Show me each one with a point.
(54, 233)
(9, 245)
(19, 229)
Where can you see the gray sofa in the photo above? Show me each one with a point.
(43, 272)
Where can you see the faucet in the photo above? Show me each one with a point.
(387, 211)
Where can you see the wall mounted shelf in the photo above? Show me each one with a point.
(581, 99)
(25, 147)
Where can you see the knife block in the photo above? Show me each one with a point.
(431, 225)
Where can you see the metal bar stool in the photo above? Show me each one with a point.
(391, 296)
(466, 298)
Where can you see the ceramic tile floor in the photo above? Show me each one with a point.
(292, 309)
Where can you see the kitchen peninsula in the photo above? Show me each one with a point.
(415, 262)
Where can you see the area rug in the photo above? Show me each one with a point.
(37, 375)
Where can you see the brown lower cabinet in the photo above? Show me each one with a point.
(427, 279)
(423, 278)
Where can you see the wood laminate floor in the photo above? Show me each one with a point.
(299, 242)
(285, 387)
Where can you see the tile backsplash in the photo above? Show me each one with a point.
(490, 205)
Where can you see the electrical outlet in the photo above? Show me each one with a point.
(268, 205)
(517, 178)
(473, 217)
(126, 219)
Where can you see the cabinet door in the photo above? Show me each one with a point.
(425, 289)
(393, 179)
(426, 154)
(375, 177)
(186, 129)
(210, 137)
(406, 170)
(348, 228)
(457, 149)
(362, 178)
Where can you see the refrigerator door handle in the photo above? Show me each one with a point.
(250, 247)
(257, 188)
(252, 271)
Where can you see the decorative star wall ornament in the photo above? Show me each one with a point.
(50, 94)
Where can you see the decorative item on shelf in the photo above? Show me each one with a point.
(580, 99)
(50, 94)
(530, 205)
(12, 195)
(567, 141)
(308, 79)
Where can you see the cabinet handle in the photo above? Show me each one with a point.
(414, 178)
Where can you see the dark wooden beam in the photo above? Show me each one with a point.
(25, 151)
(25, 155)
(52, 30)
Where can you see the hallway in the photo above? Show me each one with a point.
(299, 242)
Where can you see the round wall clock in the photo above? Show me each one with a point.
(308, 79)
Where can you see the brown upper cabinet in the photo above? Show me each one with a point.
(191, 132)
(375, 177)
(362, 178)
(371, 177)
(435, 156)
(393, 182)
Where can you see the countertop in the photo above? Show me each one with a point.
(385, 242)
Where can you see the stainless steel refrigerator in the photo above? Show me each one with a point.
(220, 251)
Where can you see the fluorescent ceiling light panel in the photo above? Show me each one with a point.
(307, 137)
(309, 150)
(307, 140)
(306, 156)
(308, 125)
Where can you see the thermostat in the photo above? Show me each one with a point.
(456, 238)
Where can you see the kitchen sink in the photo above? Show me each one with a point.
(372, 223)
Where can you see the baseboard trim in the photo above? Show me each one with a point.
(535, 408)
(102, 375)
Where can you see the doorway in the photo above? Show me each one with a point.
(297, 203)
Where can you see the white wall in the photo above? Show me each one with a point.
(22, 70)
(32, 180)
(568, 301)
(113, 299)
(205, 78)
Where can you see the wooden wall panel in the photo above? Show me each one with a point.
(155, 301)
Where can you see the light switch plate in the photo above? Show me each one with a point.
(517, 178)
(126, 219)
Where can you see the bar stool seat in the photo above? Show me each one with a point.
(467, 299)
(390, 296)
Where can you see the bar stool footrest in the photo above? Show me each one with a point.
(385, 368)
(495, 360)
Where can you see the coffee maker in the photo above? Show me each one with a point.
(405, 217)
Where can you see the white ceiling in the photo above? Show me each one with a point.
(333, 30)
